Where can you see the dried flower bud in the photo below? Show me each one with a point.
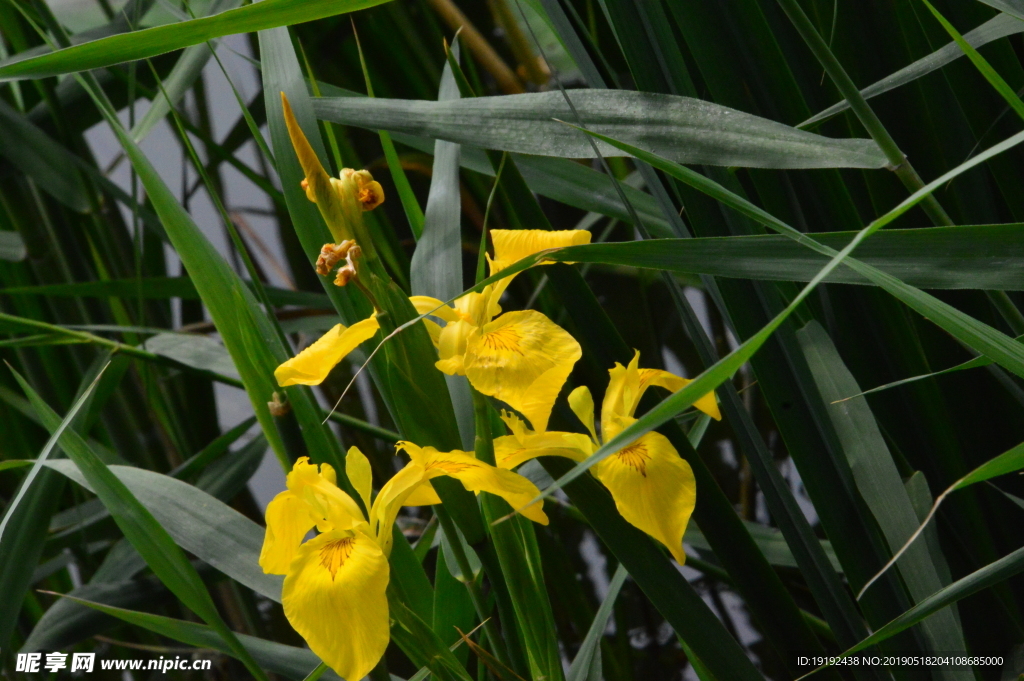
(278, 406)
(345, 275)
(348, 272)
(331, 255)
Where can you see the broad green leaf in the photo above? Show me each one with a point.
(680, 128)
(41, 158)
(199, 352)
(151, 42)
(255, 346)
(139, 526)
(881, 485)
(245, 330)
(436, 268)
(557, 178)
(969, 257)
(66, 623)
(288, 661)
(197, 522)
(995, 28)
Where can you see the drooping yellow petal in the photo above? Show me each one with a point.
(653, 489)
(289, 518)
(523, 359)
(648, 377)
(510, 452)
(311, 366)
(512, 245)
(477, 476)
(393, 495)
(357, 467)
(582, 404)
(524, 444)
(334, 596)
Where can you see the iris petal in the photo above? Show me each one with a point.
(288, 520)
(523, 359)
(477, 476)
(582, 404)
(311, 366)
(392, 497)
(357, 467)
(512, 245)
(626, 385)
(334, 596)
(654, 489)
(524, 444)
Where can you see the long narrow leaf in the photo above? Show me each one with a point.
(151, 42)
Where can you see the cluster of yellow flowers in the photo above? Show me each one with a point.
(335, 583)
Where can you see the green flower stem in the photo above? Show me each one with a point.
(473, 586)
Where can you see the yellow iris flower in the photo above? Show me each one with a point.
(521, 358)
(335, 583)
(653, 488)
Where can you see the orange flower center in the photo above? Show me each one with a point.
(334, 554)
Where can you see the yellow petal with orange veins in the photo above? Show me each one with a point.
(510, 451)
(522, 359)
(434, 307)
(289, 518)
(334, 596)
(357, 467)
(311, 366)
(512, 245)
(653, 489)
(477, 476)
